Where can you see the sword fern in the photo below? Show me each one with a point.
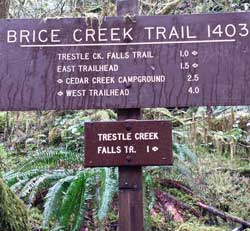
(107, 190)
(69, 190)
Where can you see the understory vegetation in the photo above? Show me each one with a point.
(42, 162)
(43, 181)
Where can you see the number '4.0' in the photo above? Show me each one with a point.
(194, 90)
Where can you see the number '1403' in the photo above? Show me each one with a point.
(229, 30)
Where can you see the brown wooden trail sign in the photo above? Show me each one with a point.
(128, 143)
(144, 61)
(124, 62)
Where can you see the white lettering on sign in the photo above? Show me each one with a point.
(103, 80)
(97, 56)
(66, 69)
(72, 56)
(229, 30)
(142, 55)
(118, 55)
(33, 36)
(146, 136)
(76, 81)
(116, 149)
(75, 93)
(108, 92)
(128, 136)
(142, 79)
(109, 150)
(102, 34)
(11, 36)
(161, 33)
(98, 68)
(129, 149)
(116, 36)
(115, 136)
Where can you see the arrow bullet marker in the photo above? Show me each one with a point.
(194, 53)
(155, 149)
(195, 65)
(60, 93)
(60, 81)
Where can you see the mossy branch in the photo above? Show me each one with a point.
(13, 214)
(169, 7)
(224, 216)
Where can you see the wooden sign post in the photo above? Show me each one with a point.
(130, 199)
(130, 188)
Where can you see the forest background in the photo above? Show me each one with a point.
(43, 185)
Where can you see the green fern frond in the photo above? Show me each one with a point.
(51, 158)
(28, 187)
(44, 182)
(107, 191)
(19, 185)
(148, 198)
(70, 199)
(54, 199)
(149, 185)
(184, 153)
(183, 169)
(84, 197)
(14, 177)
(58, 228)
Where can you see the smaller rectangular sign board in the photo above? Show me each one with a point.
(128, 143)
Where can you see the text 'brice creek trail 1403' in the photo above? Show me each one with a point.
(158, 61)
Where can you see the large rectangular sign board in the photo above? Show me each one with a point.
(117, 62)
(128, 143)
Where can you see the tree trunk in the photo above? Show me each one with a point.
(4, 8)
